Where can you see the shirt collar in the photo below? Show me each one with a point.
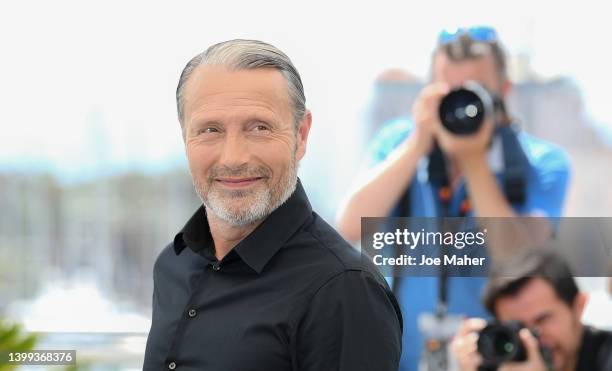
(263, 243)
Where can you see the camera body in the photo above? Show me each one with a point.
(463, 110)
(499, 342)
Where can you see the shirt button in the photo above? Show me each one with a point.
(172, 365)
(216, 267)
(192, 313)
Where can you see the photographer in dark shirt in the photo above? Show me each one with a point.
(536, 288)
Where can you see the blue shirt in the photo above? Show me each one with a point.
(547, 179)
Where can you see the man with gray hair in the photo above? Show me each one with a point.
(256, 280)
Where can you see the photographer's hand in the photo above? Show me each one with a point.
(465, 344)
(469, 154)
(379, 189)
(465, 149)
(487, 198)
(534, 361)
(425, 115)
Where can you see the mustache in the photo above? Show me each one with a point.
(244, 171)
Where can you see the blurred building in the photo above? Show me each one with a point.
(110, 227)
(555, 110)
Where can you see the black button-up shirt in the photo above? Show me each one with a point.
(293, 295)
(595, 350)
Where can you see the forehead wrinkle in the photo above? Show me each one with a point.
(266, 100)
(232, 108)
(223, 116)
(196, 83)
(234, 99)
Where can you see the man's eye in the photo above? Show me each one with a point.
(208, 130)
(261, 127)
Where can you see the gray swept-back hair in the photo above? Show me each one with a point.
(246, 55)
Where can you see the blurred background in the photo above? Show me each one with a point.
(93, 177)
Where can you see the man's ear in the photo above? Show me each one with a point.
(580, 302)
(302, 135)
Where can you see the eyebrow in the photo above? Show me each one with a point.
(248, 119)
(542, 317)
(204, 122)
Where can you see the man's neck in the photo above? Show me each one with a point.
(226, 236)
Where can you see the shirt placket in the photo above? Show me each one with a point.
(190, 312)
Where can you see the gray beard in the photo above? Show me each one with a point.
(264, 204)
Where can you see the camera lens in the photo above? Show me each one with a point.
(463, 110)
(501, 343)
(498, 343)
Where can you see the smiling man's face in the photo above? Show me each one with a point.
(240, 140)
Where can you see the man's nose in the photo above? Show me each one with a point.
(235, 151)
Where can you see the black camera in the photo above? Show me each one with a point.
(499, 342)
(463, 110)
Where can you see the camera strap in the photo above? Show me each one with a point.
(516, 165)
(514, 172)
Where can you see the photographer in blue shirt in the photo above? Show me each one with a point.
(477, 180)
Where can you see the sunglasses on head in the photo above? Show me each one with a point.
(478, 33)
